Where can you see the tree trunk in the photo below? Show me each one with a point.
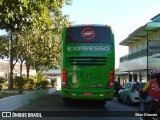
(27, 67)
(21, 68)
(11, 66)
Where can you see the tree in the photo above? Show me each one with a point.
(19, 16)
(46, 42)
(19, 83)
(13, 19)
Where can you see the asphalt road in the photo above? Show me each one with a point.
(51, 107)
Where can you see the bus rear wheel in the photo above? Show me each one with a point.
(99, 103)
(66, 100)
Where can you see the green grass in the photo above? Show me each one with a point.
(3, 95)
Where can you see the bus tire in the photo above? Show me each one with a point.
(66, 100)
(101, 103)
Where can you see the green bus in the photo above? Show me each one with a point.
(87, 63)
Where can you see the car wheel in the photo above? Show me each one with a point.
(119, 99)
(129, 102)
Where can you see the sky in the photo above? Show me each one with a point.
(124, 16)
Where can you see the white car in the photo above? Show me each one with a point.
(129, 92)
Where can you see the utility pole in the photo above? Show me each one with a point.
(147, 57)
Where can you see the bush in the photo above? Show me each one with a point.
(0, 88)
(43, 84)
(30, 84)
(40, 77)
(19, 82)
(53, 82)
(2, 81)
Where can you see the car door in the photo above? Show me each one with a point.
(122, 92)
(126, 91)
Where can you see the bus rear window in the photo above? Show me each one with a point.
(89, 34)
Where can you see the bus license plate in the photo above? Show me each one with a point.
(87, 94)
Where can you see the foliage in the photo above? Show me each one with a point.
(34, 31)
(44, 84)
(41, 80)
(30, 84)
(3, 95)
(53, 82)
(4, 47)
(40, 77)
(19, 82)
(2, 80)
(32, 20)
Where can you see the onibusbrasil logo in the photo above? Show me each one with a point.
(21, 114)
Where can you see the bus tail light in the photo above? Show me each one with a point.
(111, 79)
(107, 26)
(68, 26)
(64, 79)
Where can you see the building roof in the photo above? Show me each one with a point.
(52, 72)
(142, 31)
(156, 18)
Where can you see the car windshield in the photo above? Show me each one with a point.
(138, 85)
(141, 85)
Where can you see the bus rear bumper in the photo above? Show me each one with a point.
(88, 94)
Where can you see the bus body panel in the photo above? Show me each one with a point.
(88, 94)
(87, 67)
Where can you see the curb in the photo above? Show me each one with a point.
(13, 102)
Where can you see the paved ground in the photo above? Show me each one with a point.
(54, 106)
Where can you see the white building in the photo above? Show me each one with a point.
(141, 59)
(4, 70)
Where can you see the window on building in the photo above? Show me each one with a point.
(137, 48)
(159, 37)
(142, 46)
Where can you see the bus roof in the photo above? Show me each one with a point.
(78, 25)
